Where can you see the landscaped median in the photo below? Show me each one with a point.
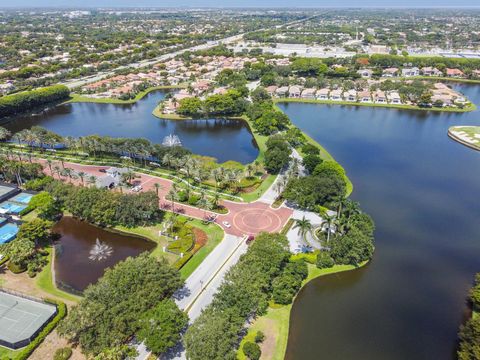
(276, 322)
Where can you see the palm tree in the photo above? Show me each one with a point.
(82, 175)
(158, 187)
(172, 195)
(250, 168)
(49, 164)
(304, 227)
(57, 169)
(330, 222)
(92, 180)
(203, 203)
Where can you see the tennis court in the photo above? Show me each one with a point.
(8, 207)
(23, 198)
(7, 232)
(21, 319)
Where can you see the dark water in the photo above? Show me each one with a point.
(73, 268)
(219, 138)
(423, 191)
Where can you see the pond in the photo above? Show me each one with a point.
(220, 138)
(422, 190)
(76, 266)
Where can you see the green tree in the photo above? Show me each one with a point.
(252, 350)
(108, 312)
(160, 327)
(46, 206)
(304, 227)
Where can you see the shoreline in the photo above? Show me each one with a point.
(277, 318)
(454, 137)
(471, 107)
(77, 98)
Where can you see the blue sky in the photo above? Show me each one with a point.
(237, 3)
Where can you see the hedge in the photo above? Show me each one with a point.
(28, 350)
(182, 261)
(4, 260)
(23, 101)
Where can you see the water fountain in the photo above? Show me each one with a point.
(171, 140)
(100, 251)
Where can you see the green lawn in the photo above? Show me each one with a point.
(45, 282)
(213, 231)
(215, 235)
(8, 354)
(276, 321)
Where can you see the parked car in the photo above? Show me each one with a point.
(226, 224)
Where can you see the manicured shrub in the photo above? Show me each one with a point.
(15, 268)
(310, 257)
(252, 350)
(62, 354)
(324, 260)
(193, 199)
(259, 337)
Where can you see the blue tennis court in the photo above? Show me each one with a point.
(9, 207)
(23, 198)
(8, 233)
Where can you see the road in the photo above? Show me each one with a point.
(203, 279)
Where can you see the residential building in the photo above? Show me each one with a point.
(308, 93)
(322, 94)
(390, 72)
(409, 72)
(294, 91)
(364, 96)
(336, 95)
(365, 73)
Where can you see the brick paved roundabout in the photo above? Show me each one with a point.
(244, 218)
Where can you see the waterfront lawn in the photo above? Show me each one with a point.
(214, 233)
(46, 283)
(276, 322)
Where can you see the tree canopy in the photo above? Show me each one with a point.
(107, 314)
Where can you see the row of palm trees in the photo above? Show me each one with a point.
(338, 223)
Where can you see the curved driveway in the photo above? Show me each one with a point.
(244, 218)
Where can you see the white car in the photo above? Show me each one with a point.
(226, 224)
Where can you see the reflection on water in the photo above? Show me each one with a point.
(219, 138)
(422, 190)
(74, 267)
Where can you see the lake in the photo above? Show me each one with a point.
(220, 138)
(73, 267)
(423, 190)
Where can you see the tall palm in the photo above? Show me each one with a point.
(49, 164)
(304, 227)
(330, 222)
(56, 169)
(92, 180)
(82, 175)
(173, 195)
(158, 187)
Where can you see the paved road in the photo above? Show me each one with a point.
(202, 278)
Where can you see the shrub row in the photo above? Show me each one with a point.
(17, 103)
